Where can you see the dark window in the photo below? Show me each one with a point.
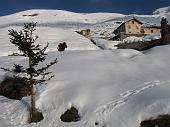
(142, 31)
(151, 31)
(129, 27)
(132, 22)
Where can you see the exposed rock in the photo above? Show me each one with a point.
(71, 115)
(160, 121)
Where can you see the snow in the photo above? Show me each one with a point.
(53, 36)
(111, 83)
(105, 44)
(132, 39)
(162, 10)
(56, 16)
(115, 87)
(151, 37)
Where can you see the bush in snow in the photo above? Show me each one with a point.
(14, 88)
(62, 46)
(71, 115)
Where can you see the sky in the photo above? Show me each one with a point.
(84, 6)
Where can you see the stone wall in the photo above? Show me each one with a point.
(140, 45)
(122, 36)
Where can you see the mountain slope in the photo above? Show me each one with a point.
(163, 10)
(57, 16)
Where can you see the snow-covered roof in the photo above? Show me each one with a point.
(146, 25)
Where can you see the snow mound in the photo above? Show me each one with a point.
(132, 39)
(151, 37)
(105, 44)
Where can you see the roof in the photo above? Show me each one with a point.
(128, 21)
(146, 25)
(157, 27)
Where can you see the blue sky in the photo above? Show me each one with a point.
(120, 6)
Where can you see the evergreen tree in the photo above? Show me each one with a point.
(33, 75)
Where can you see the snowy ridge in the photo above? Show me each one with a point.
(57, 16)
(163, 10)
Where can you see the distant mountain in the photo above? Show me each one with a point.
(58, 16)
(162, 11)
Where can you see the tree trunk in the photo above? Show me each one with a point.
(33, 109)
(35, 116)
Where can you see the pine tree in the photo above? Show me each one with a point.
(33, 75)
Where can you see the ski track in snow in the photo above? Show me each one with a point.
(104, 111)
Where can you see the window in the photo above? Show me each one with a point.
(132, 22)
(151, 31)
(142, 31)
(129, 27)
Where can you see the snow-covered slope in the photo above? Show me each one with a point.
(101, 23)
(111, 88)
(64, 20)
(56, 16)
(53, 36)
(163, 10)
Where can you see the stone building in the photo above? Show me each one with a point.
(85, 32)
(134, 27)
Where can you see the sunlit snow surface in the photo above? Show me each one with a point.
(114, 88)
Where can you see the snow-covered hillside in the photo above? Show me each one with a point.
(53, 36)
(163, 10)
(101, 23)
(110, 88)
(45, 17)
